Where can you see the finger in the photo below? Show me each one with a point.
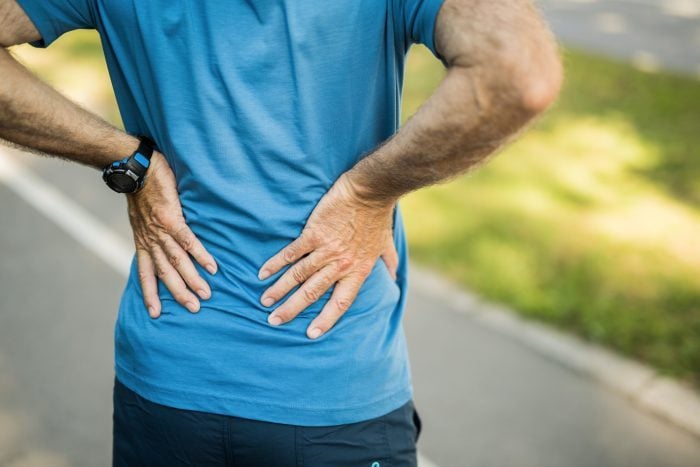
(309, 292)
(341, 299)
(180, 260)
(391, 257)
(191, 244)
(286, 255)
(172, 280)
(149, 284)
(295, 275)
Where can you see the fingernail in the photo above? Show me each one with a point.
(274, 320)
(192, 306)
(151, 312)
(211, 268)
(203, 293)
(264, 274)
(314, 333)
(268, 301)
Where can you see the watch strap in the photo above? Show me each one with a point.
(144, 152)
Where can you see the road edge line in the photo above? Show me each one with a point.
(66, 213)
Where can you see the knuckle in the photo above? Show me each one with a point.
(144, 276)
(310, 294)
(150, 237)
(344, 263)
(289, 253)
(187, 242)
(186, 239)
(162, 238)
(298, 275)
(162, 217)
(175, 260)
(313, 237)
(335, 246)
(343, 304)
(161, 272)
(146, 236)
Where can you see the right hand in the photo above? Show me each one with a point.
(165, 245)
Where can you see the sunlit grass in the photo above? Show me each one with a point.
(76, 66)
(590, 222)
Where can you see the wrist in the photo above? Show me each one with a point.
(362, 191)
(116, 145)
(128, 175)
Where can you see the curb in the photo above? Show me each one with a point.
(639, 383)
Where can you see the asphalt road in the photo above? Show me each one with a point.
(485, 400)
(650, 33)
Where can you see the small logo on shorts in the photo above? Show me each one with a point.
(375, 464)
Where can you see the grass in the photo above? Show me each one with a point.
(590, 222)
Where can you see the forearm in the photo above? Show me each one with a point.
(39, 118)
(439, 142)
(504, 69)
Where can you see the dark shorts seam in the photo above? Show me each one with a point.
(298, 447)
(387, 442)
(226, 435)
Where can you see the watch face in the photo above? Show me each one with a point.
(121, 183)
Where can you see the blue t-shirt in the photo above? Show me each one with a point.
(259, 106)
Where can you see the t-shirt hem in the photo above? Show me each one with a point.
(261, 410)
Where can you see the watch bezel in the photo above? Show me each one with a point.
(112, 174)
(132, 167)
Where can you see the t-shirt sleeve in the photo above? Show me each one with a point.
(417, 20)
(52, 18)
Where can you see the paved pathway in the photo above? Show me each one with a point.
(650, 33)
(485, 399)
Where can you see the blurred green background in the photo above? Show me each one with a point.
(590, 221)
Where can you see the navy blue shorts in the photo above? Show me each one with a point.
(150, 434)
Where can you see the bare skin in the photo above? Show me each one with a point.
(503, 70)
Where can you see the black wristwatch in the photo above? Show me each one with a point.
(127, 175)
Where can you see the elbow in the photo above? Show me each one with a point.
(536, 81)
(529, 82)
(540, 88)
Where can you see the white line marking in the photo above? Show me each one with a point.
(77, 222)
(425, 462)
(69, 216)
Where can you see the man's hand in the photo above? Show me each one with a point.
(164, 242)
(340, 243)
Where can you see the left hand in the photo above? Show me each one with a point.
(340, 243)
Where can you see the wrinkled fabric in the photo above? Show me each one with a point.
(258, 106)
(153, 435)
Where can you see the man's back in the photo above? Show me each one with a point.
(259, 107)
